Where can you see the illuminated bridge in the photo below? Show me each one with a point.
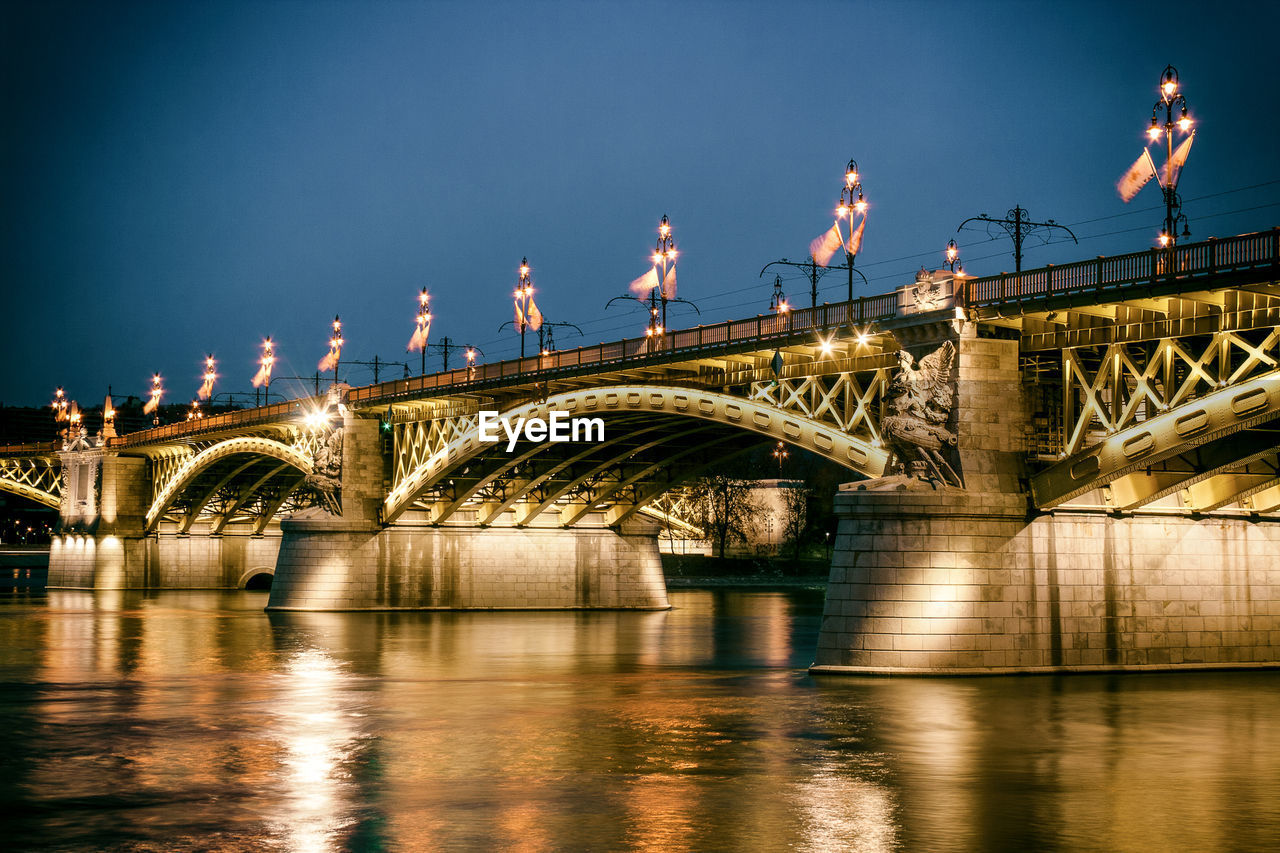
(1128, 396)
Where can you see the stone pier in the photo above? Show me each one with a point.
(932, 580)
(352, 562)
(963, 583)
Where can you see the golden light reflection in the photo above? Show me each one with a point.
(318, 737)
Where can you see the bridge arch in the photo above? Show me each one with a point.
(184, 477)
(30, 493)
(640, 405)
(1202, 439)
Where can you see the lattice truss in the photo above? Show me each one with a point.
(676, 511)
(415, 442)
(243, 489)
(34, 477)
(851, 402)
(568, 484)
(1109, 388)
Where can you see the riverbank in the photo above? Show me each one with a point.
(24, 566)
(686, 571)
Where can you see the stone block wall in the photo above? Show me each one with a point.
(324, 565)
(964, 583)
(991, 415)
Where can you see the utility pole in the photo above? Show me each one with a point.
(1018, 224)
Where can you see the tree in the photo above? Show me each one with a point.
(724, 509)
(795, 514)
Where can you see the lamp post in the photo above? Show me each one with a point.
(423, 329)
(1171, 100)
(471, 363)
(780, 453)
(153, 405)
(664, 260)
(525, 306)
(953, 256)
(265, 365)
(210, 376)
(852, 202)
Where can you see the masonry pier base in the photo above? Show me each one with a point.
(963, 583)
(331, 564)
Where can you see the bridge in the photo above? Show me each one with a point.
(1135, 395)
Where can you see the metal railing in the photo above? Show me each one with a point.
(636, 351)
(1105, 276)
(217, 423)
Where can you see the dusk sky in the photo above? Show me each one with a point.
(188, 178)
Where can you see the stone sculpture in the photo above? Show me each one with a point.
(326, 471)
(919, 400)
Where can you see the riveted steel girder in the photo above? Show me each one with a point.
(1196, 423)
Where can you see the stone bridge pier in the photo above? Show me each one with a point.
(352, 561)
(103, 541)
(973, 581)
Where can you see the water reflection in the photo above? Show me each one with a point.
(194, 721)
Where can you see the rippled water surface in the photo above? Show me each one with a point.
(195, 721)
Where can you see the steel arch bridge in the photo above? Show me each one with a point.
(1151, 380)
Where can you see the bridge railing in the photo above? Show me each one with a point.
(1105, 275)
(31, 448)
(861, 311)
(273, 413)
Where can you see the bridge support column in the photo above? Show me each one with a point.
(100, 542)
(352, 562)
(962, 583)
(970, 581)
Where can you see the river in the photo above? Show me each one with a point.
(184, 721)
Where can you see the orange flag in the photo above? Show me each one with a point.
(825, 246)
(1136, 178)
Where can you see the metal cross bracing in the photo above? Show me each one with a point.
(35, 477)
(233, 479)
(1184, 423)
(662, 426)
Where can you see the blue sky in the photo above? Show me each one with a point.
(188, 178)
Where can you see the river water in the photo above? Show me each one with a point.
(195, 721)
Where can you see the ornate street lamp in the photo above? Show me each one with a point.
(664, 261)
(953, 256)
(778, 301)
(210, 376)
(852, 202)
(422, 330)
(331, 359)
(265, 365)
(527, 314)
(153, 405)
(1171, 100)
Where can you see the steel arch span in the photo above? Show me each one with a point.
(185, 476)
(640, 409)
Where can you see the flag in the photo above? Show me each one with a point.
(419, 339)
(151, 406)
(535, 316)
(1136, 178)
(669, 284)
(262, 377)
(825, 246)
(519, 317)
(855, 242)
(206, 388)
(330, 361)
(646, 282)
(1169, 178)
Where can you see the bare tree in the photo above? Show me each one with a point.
(795, 514)
(725, 509)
